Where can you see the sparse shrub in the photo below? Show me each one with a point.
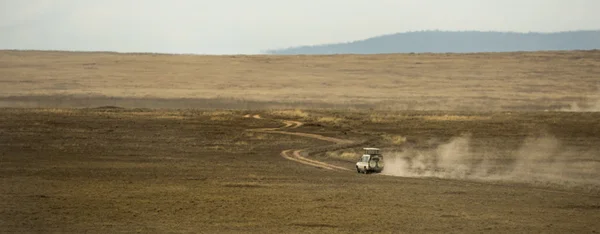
(346, 155)
(394, 139)
(329, 120)
(221, 118)
(378, 118)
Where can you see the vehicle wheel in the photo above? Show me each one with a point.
(357, 170)
(366, 171)
(373, 164)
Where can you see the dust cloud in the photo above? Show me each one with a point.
(574, 107)
(538, 160)
(591, 105)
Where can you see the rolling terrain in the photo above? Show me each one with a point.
(106, 142)
(456, 42)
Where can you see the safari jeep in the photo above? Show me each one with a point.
(371, 161)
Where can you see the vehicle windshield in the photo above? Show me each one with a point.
(365, 159)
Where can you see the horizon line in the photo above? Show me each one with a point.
(270, 51)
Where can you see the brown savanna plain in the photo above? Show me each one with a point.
(481, 81)
(67, 165)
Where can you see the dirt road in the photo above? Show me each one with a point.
(297, 154)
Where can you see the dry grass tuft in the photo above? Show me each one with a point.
(329, 120)
(455, 118)
(379, 117)
(178, 117)
(218, 113)
(394, 139)
(346, 155)
(296, 113)
(61, 111)
(221, 118)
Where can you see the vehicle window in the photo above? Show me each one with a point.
(365, 158)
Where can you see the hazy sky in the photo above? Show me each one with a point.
(249, 26)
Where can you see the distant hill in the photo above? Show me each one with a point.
(456, 42)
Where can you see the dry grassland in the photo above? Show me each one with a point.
(488, 81)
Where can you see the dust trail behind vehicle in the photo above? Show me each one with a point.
(591, 104)
(539, 160)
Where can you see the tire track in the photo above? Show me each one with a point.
(296, 154)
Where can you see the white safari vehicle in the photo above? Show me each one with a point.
(371, 161)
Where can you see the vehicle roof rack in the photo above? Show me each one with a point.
(371, 150)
